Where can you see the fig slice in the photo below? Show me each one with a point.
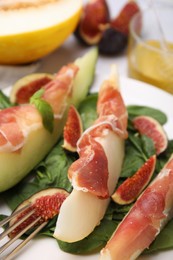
(72, 130)
(46, 204)
(25, 87)
(94, 18)
(122, 21)
(131, 188)
(150, 127)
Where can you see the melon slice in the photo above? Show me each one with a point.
(35, 28)
(82, 211)
(94, 175)
(15, 165)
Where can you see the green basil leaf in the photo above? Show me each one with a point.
(44, 109)
(4, 101)
(47, 114)
(37, 95)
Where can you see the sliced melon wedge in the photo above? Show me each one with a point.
(81, 212)
(14, 166)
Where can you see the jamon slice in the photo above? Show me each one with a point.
(24, 140)
(94, 175)
(110, 103)
(90, 172)
(150, 213)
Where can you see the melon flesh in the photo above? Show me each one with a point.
(34, 29)
(15, 166)
(43, 13)
(81, 212)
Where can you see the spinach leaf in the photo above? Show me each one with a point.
(51, 172)
(163, 241)
(95, 240)
(87, 110)
(163, 158)
(101, 233)
(147, 111)
(138, 148)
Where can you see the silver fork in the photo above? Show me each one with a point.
(11, 228)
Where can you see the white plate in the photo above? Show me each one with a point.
(134, 92)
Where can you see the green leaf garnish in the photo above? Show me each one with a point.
(4, 101)
(44, 109)
(147, 111)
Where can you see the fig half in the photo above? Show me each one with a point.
(72, 130)
(122, 21)
(94, 17)
(150, 127)
(130, 189)
(25, 87)
(46, 204)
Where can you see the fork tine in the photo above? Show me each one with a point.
(22, 244)
(11, 228)
(7, 219)
(6, 245)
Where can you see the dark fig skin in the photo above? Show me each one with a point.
(97, 27)
(112, 42)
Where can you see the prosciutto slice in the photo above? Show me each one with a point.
(150, 213)
(94, 175)
(57, 91)
(90, 172)
(16, 123)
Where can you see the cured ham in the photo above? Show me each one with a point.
(58, 90)
(17, 122)
(150, 213)
(15, 125)
(94, 175)
(90, 171)
(111, 108)
(24, 141)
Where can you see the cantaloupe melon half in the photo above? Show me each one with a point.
(30, 30)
